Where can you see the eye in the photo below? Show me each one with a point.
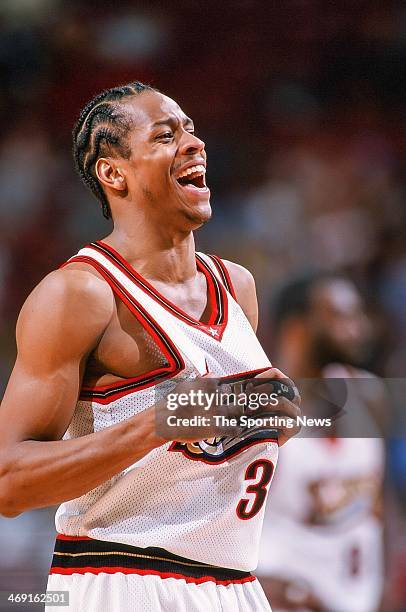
(165, 136)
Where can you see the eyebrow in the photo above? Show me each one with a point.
(172, 121)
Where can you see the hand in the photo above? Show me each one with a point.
(262, 383)
(187, 413)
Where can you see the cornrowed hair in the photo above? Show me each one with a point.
(101, 129)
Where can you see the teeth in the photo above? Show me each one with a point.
(192, 170)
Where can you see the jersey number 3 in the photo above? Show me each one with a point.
(248, 508)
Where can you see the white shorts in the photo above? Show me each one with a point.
(108, 577)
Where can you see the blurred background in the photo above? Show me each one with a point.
(302, 105)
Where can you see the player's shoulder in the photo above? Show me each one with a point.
(70, 292)
(243, 287)
(73, 282)
(63, 319)
(241, 277)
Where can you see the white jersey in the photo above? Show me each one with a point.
(322, 525)
(189, 499)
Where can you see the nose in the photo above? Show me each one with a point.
(191, 144)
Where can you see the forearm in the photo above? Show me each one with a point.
(36, 474)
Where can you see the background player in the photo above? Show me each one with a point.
(139, 512)
(322, 544)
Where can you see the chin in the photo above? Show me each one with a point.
(199, 214)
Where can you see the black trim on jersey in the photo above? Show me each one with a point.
(109, 253)
(165, 340)
(71, 554)
(225, 275)
(233, 451)
(219, 293)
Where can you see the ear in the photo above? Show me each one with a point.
(110, 175)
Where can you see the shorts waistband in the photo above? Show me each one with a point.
(80, 555)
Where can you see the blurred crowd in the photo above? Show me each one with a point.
(302, 106)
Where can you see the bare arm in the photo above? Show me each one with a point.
(59, 325)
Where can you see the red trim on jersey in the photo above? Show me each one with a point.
(189, 455)
(220, 296)
(115, 385)
(224, 273)
(176, 363)
(215, 298)
(221, 301)
(248, 373)
(198, 457)
(147, 572)
(62, 536)
(216, 292)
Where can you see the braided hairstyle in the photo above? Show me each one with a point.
(102, 127)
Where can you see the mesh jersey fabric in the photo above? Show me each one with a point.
(173, 498)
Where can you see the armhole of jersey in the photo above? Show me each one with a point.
(222, 273)
(108, 393)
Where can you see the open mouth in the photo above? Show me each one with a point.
(193, 177)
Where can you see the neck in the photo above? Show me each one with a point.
(156, 251)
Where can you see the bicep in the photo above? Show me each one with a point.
(55, 333)
(38, 405)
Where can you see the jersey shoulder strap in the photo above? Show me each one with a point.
(219, 268)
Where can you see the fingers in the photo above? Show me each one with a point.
(272, 373)
(286, 433)
(273, 388)
(275, 373)
(285, 413)
(288, 408)
(190, 419)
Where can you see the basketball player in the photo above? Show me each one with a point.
(326, 495)
(144, 524)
